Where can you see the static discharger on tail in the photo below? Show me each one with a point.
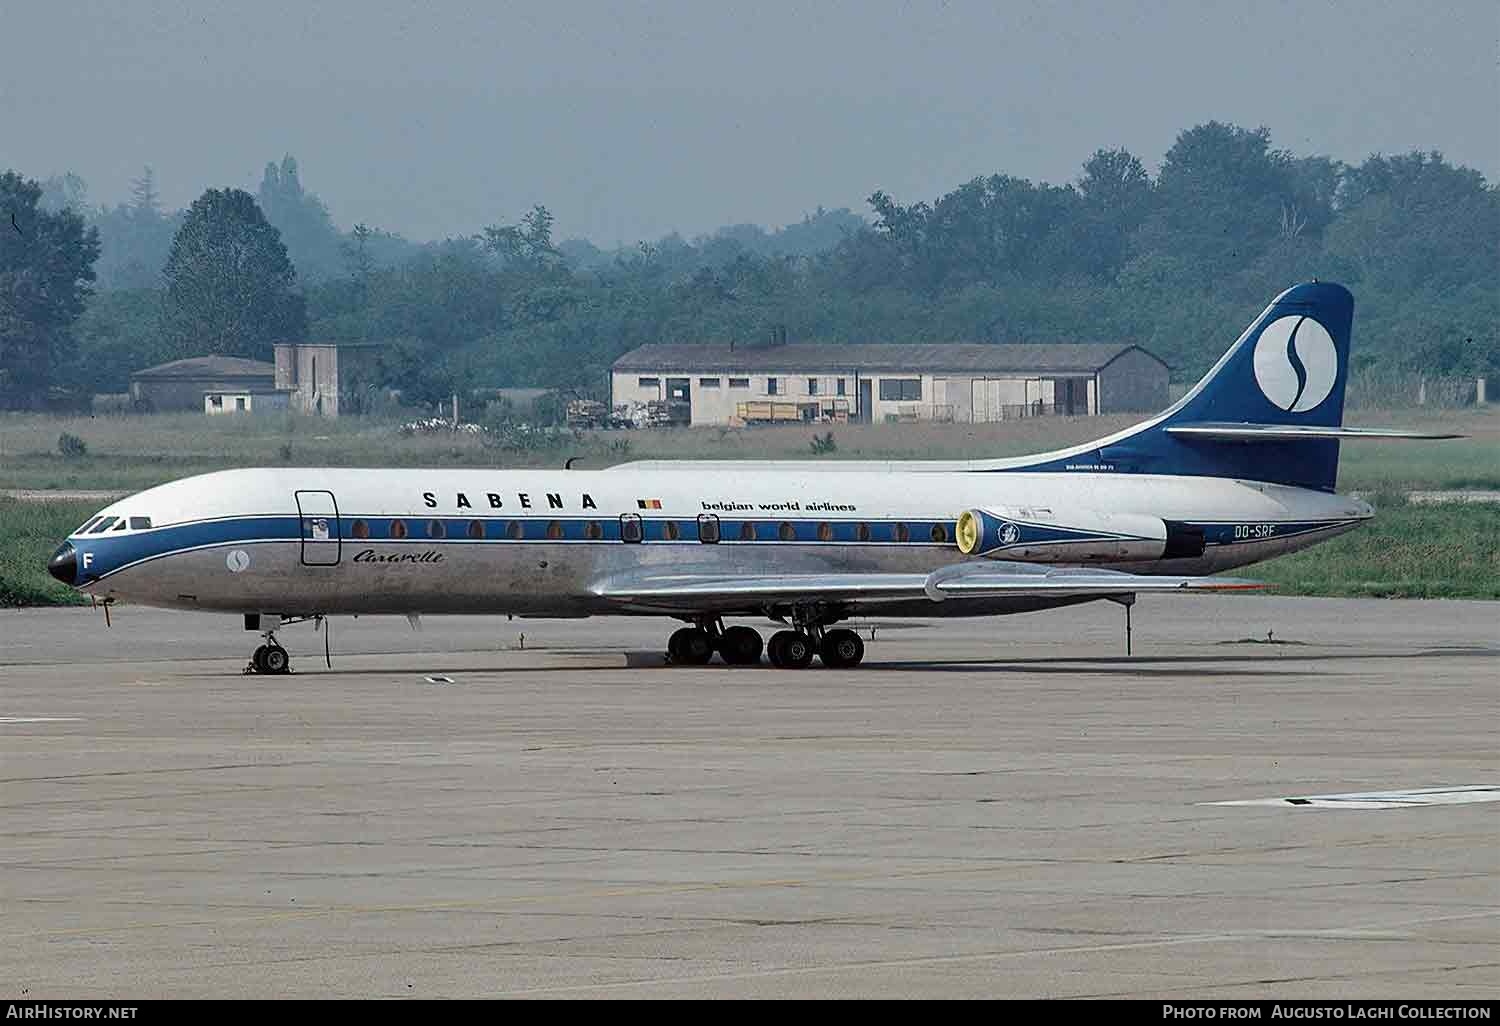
(1239, 470)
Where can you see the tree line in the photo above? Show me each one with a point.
(1175, 262)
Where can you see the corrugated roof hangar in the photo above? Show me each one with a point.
(960, 383)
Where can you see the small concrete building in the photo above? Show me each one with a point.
(963, 383)
(182, 384)
(323, 378)
(235, 402)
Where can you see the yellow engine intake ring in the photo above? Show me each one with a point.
(969, 532)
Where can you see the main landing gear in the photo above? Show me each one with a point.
(741, 646)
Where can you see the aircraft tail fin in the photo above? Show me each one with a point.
(1271, 409)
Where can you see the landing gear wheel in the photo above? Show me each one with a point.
(741, 646)
(841, 648)
(276, 660)
(690, 646)
(258, 659)
(790, 650)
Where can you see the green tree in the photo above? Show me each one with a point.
(230, 289)
(312, 242)
(46, 267)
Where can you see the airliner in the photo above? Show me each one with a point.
(1242, 468)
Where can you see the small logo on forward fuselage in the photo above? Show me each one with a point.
(238, 561)
(1296, 363)
(1009, 534)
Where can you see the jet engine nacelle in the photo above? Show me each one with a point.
(1045, 536)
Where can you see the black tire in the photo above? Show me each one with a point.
(793, 651)
(276, 660)
(741, 646)
(774, 648)
(841, 648)
(258, 659)
(690, 646)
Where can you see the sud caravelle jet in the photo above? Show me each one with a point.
(1241, 469)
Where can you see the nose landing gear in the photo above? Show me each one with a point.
(270, 658)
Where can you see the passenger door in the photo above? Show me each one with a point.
(322, 540)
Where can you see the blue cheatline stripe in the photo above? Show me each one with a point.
(111, 554)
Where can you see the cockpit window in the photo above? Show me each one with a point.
(103, 525)
(90, 522)
(121, 525)
(140, 523)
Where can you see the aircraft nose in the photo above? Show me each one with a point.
(64, 563)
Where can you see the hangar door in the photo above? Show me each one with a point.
(322, 540)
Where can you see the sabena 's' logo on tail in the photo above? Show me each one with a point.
(1296, 363)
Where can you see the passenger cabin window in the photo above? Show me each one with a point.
(787, 532)
(515, 530)
(670, 531)
(630, 528)
(435, 529)
(862, 532)
(901, 533)
(398, 528)
(594, 531)
(103, 525)
(739, 382)
(747, 531)
(476, 529)
(140, 523)
(939, 534)
(555, 530)
(901, 389)
(825, 531)
(360, 529)
(708, 529)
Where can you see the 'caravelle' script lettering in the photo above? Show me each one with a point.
(371, 556)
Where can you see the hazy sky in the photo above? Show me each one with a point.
(630, 120)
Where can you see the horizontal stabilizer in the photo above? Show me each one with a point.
(1297, 433)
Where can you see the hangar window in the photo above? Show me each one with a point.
(862, 532)
(901, 389)
(786, 532)
(939, 534)
(435, 529)
(747, 531)
(140, 523)
(476, 529)
(554, 529)
(648, 382)
(670, 531)
(825, 531)
(103, 525)
(398, 528)
(739, 382)
(594, 531)
(772, 386)
(359, 529)
(812, 386)
(901, 533)
(708, 382)
(840, 387)
(515, 530)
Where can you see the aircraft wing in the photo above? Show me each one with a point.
(991, 579)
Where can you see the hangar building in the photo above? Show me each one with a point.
(875, 383)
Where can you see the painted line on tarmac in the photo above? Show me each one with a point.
(1467, 794)
(39, 719)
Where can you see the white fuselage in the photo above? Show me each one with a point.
(531, 542)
